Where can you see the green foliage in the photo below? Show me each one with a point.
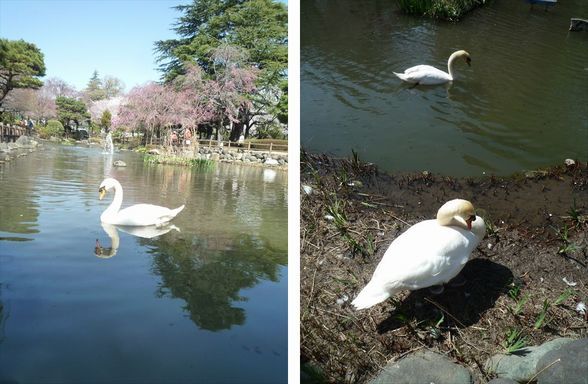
(270, 131)
(336, 210)
(439, 9)
(71, 109)
(576, 215)
(8, 117)
(94, 88)
(563, 297)
(106, 119)
(515, 294)
(542, 317)
(21, 64)
(257, 27)
(514, 341)
(54, 128)
(567, 246)
(200, 164)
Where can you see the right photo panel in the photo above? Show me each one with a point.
(444, 191)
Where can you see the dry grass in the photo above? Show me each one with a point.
(514, 272)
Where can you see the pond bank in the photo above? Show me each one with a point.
(186, 156)
(527, 277)
(21, 147)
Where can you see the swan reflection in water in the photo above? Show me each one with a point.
(146, 232)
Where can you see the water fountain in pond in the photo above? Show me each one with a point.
(108, 146)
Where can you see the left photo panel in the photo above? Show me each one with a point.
(144, 191)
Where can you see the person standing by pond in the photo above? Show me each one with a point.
(187, 136)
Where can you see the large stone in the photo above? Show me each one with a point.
(215, 157)
(271, 161)
(572, 367)
(119, 163)
(502, 380)
(24, 141)
(522, 365)
(423, 367)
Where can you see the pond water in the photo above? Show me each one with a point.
(521, 105)
(206, 302)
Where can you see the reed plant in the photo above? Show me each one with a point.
(439, 9)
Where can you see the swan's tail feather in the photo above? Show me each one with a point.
(370, 296)
(177, 210)
(401, 76)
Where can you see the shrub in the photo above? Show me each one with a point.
(53, 128)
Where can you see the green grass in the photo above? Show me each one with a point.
(201, 164)
(336, 210)
(567, 246)
(575, 215)
(514, 341)
(542, 319)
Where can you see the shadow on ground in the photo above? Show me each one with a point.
(463, 305)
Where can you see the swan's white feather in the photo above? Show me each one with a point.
(139, 214)
(425, 75)
(426, 254)
(429, 75)
(135, 215)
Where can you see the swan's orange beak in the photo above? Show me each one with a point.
(469, 222)
(101, 193)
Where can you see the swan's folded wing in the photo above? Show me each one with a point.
(143, 214)
(423, 255)
(425, 74)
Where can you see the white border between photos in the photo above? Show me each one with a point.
(294, 191)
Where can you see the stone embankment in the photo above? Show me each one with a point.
(22, 146)
(561, 360)
(237, 156)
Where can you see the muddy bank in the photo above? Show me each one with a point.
(515, 279)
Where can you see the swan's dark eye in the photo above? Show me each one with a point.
(473, 218)
(100, 189)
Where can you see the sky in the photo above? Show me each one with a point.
(114, 37)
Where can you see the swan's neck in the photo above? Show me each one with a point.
(452, 221)
(114, 207)
(452, 58)
(446, 216)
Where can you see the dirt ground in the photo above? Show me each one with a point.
(537, 237)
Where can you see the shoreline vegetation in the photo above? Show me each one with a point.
(525, 283)
(451, 10)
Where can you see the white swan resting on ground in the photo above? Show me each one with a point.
(429, 253)
(135, 215)
(428, 75)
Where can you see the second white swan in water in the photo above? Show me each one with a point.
(429, 253)
(428, 75)
(135, 215)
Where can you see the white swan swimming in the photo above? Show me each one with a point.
(428, 75)
(135, 215)
(429, 253)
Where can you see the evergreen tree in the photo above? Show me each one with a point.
(69, 109)
(259, 27)
(105, 120)
(21, 64)
(94, 89)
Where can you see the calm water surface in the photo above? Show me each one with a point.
(204, 304)
(522, 105)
